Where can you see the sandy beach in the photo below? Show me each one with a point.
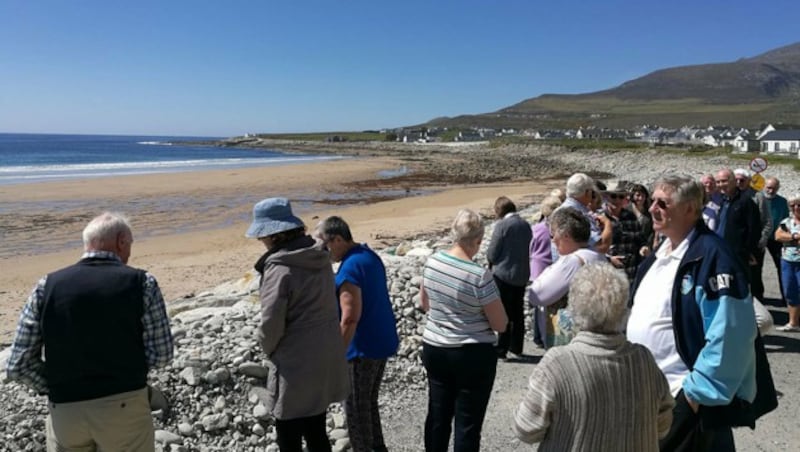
(189, 227)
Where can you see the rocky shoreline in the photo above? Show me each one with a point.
(214, 385)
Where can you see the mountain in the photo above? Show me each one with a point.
(743, 93)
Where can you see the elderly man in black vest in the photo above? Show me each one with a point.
(103, 325)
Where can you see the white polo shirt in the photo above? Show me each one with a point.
(650, 321)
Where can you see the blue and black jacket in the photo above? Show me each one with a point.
(713, 320)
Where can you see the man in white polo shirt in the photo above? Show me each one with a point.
(692, 308)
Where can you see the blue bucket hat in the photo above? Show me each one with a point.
(271, 216)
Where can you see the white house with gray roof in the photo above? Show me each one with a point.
(781, 142)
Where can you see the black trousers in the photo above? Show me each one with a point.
(460, 381)
(756, 282)
(292, 431)
(512, 340)
(686, 434)
(774, 247)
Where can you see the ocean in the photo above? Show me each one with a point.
(28, 158)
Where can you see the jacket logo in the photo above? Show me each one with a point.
(721, 281)
(686, 284)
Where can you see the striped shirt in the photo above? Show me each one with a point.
(457, 292)
(26, 364)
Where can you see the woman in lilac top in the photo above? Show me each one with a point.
(541, 256)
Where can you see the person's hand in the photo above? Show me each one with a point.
(617, 261)
(752, 260)
(644, 251)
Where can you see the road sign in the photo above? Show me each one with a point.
(758, 164)
(757, 182)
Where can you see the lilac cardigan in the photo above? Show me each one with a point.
(540, 253)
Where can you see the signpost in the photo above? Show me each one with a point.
(757, 166)
(757, 182)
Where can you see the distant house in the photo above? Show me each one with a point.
(469, 135)
(781, 142)
(762, 133)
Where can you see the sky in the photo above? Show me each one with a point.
(211, 68)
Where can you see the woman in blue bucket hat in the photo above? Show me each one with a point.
(299, 329)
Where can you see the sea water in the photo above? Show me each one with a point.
(42, 157)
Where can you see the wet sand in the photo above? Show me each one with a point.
(189, 227)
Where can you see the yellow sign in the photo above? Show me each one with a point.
(757, 182)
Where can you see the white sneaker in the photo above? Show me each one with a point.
(789, 328)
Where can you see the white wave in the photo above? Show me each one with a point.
(155, 143)
(174, 164)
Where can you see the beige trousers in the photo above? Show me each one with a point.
(119, 422)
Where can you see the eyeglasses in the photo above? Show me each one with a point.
(616, 196)
(660, 203)
(771, 187)
(741, 179)
(794, 205)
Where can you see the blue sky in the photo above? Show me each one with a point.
(209, 68)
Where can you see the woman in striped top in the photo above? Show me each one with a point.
(600, 392)
(464, 312)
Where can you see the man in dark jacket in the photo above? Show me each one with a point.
(691, 307)
(508, 257)
(739, 221)
(743, 179)
(103, 325)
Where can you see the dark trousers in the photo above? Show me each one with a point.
(361, 406)
(686, 434)
(774, 247)
(538, 334)
(292, 431)
(513, 298)
(460, 381)
(756, 282)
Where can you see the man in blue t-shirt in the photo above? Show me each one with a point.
(368, 329)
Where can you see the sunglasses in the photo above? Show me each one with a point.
(615, 196)
(794, 205)
(660, 203)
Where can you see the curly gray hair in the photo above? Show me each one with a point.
(598, 298)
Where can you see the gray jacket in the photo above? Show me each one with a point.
(508, 250)
(766, 218)
(300, 331)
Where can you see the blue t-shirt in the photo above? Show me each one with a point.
(376, 332)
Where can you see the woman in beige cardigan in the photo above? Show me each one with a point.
(299, 330)
(599, 392)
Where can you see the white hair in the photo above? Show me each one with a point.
(578, 183)
(467, 225)
(682, 189)
(741, 172)
(598, 298)
(103, 230)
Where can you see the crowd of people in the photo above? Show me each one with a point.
(648, 301)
